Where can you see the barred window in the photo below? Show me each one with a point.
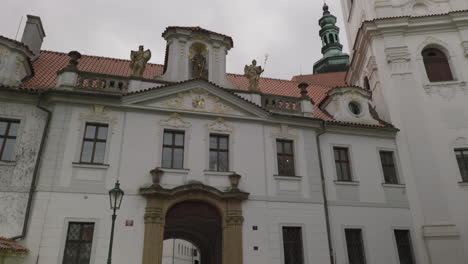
(388, 167)
(8, 134)
(219, 152)
(342, 163)
(285, 156)
(173, 149)
(437, 65)
(94, 143)
(355, 246)
(292, 244)
(405, 249)
(79, 243)
(462, 159)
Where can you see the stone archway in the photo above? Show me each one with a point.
(227, 204)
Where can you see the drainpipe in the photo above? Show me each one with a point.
(36, 168)
(324, 193)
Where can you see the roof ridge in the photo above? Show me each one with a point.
(95, 56)
(267, 78)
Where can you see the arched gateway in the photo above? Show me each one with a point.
(210, 218)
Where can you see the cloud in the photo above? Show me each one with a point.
(285, 30)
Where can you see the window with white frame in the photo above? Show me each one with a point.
(355, 246)
(462, 160)
(93, 149)
(342, 164)
(405, 249)
(293, 245)
(285, 157)
(387, 160)
(8, 133)
(78, 245)
(219, 152)
(173, 149)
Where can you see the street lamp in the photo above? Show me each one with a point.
(115, 197)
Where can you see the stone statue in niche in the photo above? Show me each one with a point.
(253, 72)
(139, 59)
(198, 66)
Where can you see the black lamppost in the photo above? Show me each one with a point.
(115, 196)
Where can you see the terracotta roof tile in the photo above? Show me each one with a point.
(10, 245)
(49, 62)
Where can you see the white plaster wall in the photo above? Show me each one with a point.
(16, 176)
(431, 118)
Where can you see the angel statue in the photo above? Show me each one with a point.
(139, 59)
(253, 72)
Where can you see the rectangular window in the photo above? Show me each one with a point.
(342, 163)
(292, 244)
(462, 159)
(8, 134)
(79, 243)
(173, 149)
(219, 152)
(355, 246)
(285, 155)
(388, 167)
(405, 249)
(94, 143)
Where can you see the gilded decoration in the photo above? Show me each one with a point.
(220, 125)
(100, 113)
(199, 100)
(175, 121)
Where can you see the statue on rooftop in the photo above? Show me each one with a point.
(198, 66)
(139, 59)
(253, 72)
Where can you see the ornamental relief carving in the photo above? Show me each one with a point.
(284, 132)
(446, 90)
(220, 125)
(198, 100)
(175, 121)
(99, 113)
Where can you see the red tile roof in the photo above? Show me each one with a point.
(10, 245)
(49, 62)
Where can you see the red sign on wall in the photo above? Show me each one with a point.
(128, 222)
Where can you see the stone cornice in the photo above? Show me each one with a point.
(194, 188)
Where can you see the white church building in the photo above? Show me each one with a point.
(363, 161)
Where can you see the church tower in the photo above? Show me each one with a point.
(334, 60)
(413, 55)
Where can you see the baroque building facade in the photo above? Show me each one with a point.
(363, 161)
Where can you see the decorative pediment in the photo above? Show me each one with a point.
(197, 100)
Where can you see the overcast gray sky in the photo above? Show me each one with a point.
(287, 30)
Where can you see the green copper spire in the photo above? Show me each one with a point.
(334, 59)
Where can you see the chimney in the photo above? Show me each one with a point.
(33, 34)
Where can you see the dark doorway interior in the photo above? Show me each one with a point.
(199, 223)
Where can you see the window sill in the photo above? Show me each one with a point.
(7, 163)
(289, 178)
(176, 171)
(445, 84)
(463, 184)
(354, 183)
(218, 173)
(90, 165)
(391, 185)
